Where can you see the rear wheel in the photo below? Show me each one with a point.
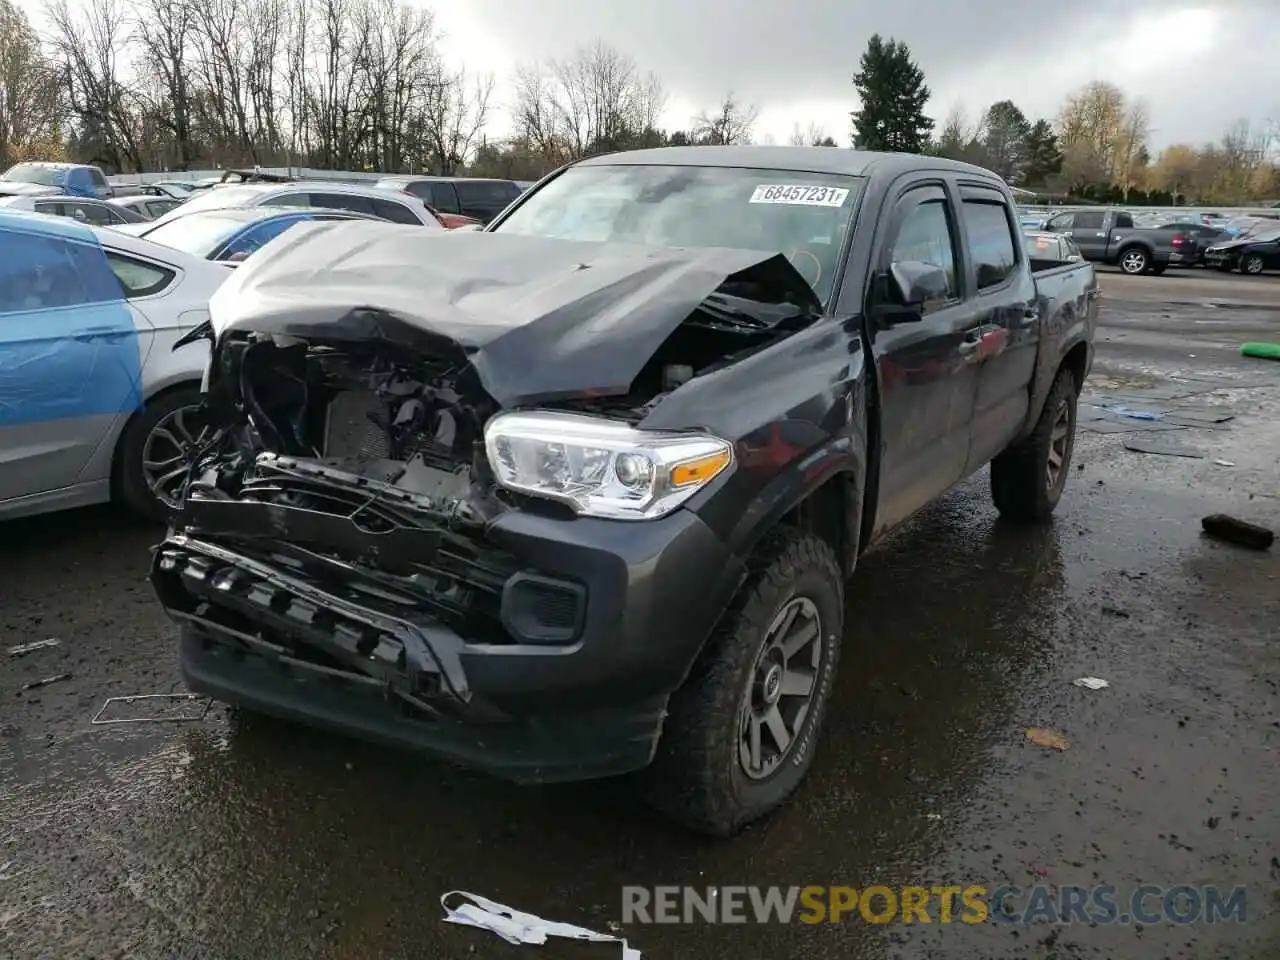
(151, 458)
(1252, 264)
(1027, 479)
(1134, 261)
(739, 735)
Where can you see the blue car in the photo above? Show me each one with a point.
(70, 179)
(231, 235)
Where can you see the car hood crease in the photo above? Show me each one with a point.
(537, 318)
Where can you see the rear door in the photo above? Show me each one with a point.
(1008, 319)
(1089, 231)
(70, 359)
(928, 379)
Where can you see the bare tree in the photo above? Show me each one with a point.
(594, 101)
(163, 29)
(1091, 128)
(88, 43)
(813, 135)
(729, 123)
(455, 119)
(1131, 145)
(30, 98)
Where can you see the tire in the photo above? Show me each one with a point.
(1252, 265)
(1023, 485)
(1159, 271)
(1134, 261)
(704, 774)
(164, 412)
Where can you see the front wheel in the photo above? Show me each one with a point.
(1134, 261)
(1027, 479)
(1251, 264)
(739, 736)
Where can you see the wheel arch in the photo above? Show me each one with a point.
(159, 391)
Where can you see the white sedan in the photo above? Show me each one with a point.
(95, 402)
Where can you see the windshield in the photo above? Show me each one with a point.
(200, 233)
(802, 215)
(220, 198)
(35, 173)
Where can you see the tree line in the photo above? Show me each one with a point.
(361, 85)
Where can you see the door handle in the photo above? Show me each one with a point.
(971, 343)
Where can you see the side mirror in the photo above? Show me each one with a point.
(918, 284)
(239, 256)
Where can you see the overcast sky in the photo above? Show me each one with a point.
(1198, 65)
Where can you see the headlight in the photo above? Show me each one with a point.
(601, 468)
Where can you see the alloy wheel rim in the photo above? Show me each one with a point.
(164, 455)
(780, 693)
(1253, 265)
(1059, 445)
(1134, 262)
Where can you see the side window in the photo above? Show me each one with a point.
(37, 273)
(927, 236)
(342, 201)
(139, 279)
(259, 235)
(99, 216)
(1091, 220)
(1123, 220)
(291, 200)
(116, 216)
(50, 209)
(444, 198)
(98, 179)
(395, 212)
(420, 189)
(1062, 221)
(991, 242)
(158, 208)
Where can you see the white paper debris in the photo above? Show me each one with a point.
(1091, 683)
(514, 926)
(1225, 463)
(25, 648)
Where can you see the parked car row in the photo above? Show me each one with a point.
(1150, 244)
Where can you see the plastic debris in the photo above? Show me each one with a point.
(1046, 738)
(1240, 532)
(1163, 449)
(516, 927)
(45, 681)
(155, 699)
(1225, 463)
(23, 649)
(1133, 414)
(1091, 683)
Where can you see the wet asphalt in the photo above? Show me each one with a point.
(237, 837)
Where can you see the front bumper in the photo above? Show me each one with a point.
(294, 637)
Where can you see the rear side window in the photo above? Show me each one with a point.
(96, 176)
(395, 212)
(1123, 220)
(292, 200)
(420, 189)
(444, 198)
(139, 279)
(37, 273)
(1091, 220)
(991, 242)
(485, 191)
(343, 201)
(1062, 221)
(158, 208)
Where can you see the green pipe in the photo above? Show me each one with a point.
(1263, 351)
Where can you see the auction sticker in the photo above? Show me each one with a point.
(799, 194)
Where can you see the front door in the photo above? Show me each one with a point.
(926, 366)
(69, 358)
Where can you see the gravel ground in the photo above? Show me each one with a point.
(238, 837)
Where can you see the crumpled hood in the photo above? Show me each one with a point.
(1231, 243)
(537, 318)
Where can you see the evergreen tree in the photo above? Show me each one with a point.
(1044, 158)
(893, 94)
(1005, 132)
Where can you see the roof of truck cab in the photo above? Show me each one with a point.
(854, 163)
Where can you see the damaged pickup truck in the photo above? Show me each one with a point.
(577, 495)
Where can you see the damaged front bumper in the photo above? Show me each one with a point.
(538, 647)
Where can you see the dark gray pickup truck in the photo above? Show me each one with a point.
(577, 495)
(1108, 235)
